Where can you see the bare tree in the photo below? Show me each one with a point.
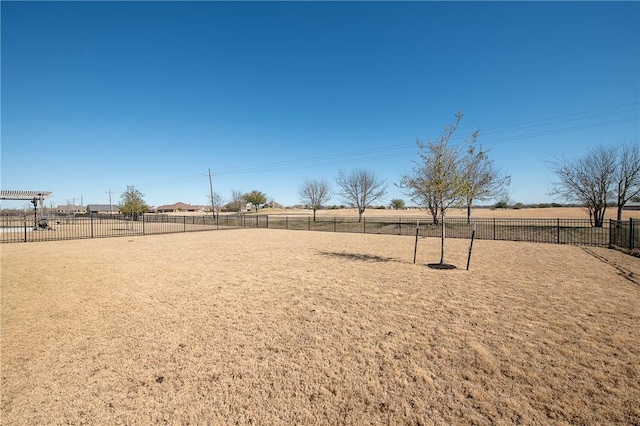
(588, 180)
(216, 203)
(314, 193)
(360, 188)
(628, 174)
(440, 177)
(237, 198)
(484, 180)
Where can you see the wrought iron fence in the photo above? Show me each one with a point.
(23, 228)
(556, 231)
(625, 234)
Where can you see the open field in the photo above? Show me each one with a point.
(277, 327)
(531, 213)
(528, 213)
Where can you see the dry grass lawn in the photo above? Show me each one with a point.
(282, 327)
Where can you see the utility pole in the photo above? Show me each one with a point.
(213, 209)
(110, 208)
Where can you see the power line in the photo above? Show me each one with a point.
(405, 150)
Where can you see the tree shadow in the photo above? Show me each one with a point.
(359, 256)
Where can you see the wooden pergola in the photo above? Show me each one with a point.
(34, 196)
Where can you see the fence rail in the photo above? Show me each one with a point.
(556, 231)
(72, 227)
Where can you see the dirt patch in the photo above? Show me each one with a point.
(281, 327)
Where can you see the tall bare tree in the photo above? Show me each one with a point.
(360, 188)
(314, 193)
(588, 180)
(628, 174)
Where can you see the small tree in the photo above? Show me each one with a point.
(132, 202)
(397, 204)
(314, 193)
(360, 188)
(256, 198)
(440, 178)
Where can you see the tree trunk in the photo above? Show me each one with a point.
(360, 211)
(599, 217)
(468, 213)
(314, 215)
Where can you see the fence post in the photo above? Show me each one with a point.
(25, 231)
(184, 224)
(611, 232)
(143, 225)
(558, 230)
(630, 234)
(364, 225)
(267, 221)
(91, 224)
(308, 223)
(334, 224)
(286, 222)
(494, 228)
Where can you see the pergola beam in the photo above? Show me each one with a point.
(23, 195)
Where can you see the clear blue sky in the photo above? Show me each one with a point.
(100, 95)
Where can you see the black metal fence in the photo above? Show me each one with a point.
(625, 234)
(71, 227)
(555, 231)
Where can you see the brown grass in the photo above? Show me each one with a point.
(281, 327)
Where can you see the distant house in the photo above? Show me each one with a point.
(103, 209)
(70, 208)
(273, 204)
(177, 207)
(631, 206)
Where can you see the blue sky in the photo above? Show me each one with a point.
(100, 95)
